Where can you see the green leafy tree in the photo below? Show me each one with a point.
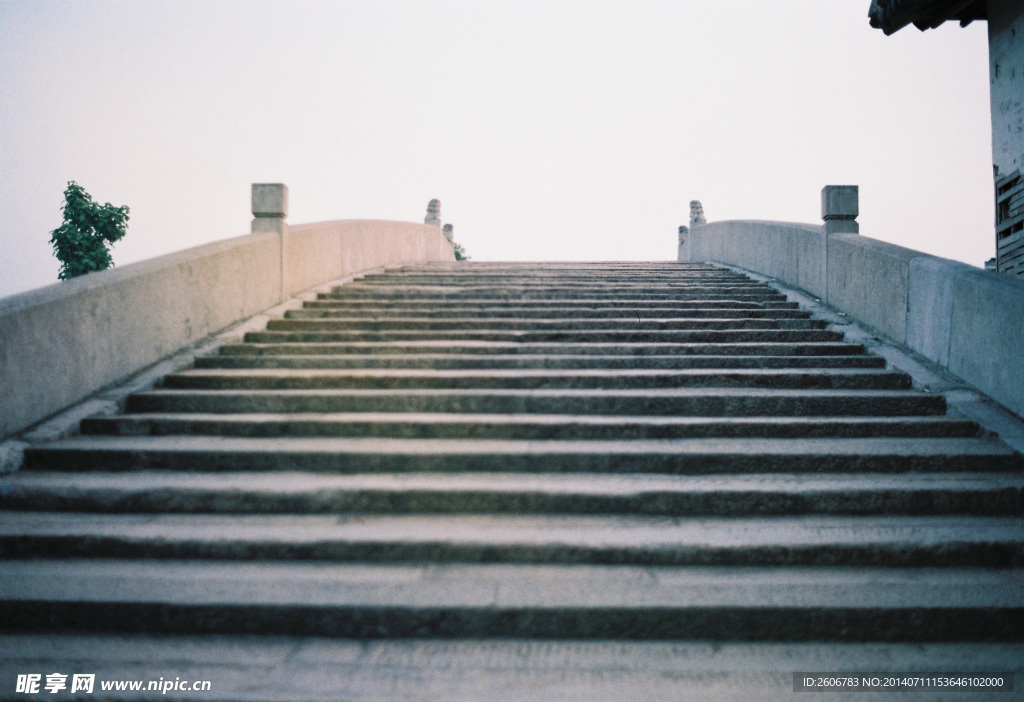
(460, 253)
(81, 243)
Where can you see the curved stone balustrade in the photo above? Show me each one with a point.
(966, 319)
(62, 343)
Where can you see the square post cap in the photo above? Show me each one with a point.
(839, 202)
(270, 200)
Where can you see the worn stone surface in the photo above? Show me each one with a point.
(655, 401)
(511, 426)
(12, 454)
(571, 457)
(808, 540)
(305, 668)
(578, 601)
(930, 306)
(511, 493)
(987, 335)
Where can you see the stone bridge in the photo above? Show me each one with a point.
(329, 462)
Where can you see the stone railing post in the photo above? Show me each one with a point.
(269, 207)
(269, 213)
(449, 233)
(684, 240)
(839, 210)
(839, 205)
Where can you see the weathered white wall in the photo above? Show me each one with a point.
(870, 280)
(62, 343)
(986, 344)
(967, 320)
(1006, 71)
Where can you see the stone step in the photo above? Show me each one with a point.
(541, 315)
(605, 280)
(533, 325)
(742, 495)
(569, 294)
(531, 266)
(543, 266)
(630, 274)
(541, 601)
(492, 348)
(679, 271)
(610, 281)
(464, 361)
(626, 335)
(687, 402)
(323, 379)
(737, 285)
(484, 296)
(544, 307)
(948, 541)
(548, 290)
(671, 456)
(498, 426)
(561, 282)
(290, 668)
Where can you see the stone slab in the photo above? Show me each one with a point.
(323, 379)
(809, 540)
(479, 426)
(576, 602)
(298, 669)
(455, 361)
(757, 348)
(696, 456)
(503, 493)
(713, 402)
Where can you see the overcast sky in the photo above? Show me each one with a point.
(549, 130)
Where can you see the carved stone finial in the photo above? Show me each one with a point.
(433, 213)
(449, 233)
(683, 232)
(696, 213)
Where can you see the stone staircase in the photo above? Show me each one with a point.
(538, 451)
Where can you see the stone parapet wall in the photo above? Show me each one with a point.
(62, 343)
(966, 319)
(788, 251)
(323, 251)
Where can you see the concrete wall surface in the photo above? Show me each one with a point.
(316, 253)
(64, 342)
(1006, 73)
(788, 251)
(870, 280)
(986, 336)
(968, 320)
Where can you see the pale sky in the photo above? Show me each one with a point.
(549, 130)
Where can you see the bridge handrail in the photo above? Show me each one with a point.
(64, 342)
(968, 320)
